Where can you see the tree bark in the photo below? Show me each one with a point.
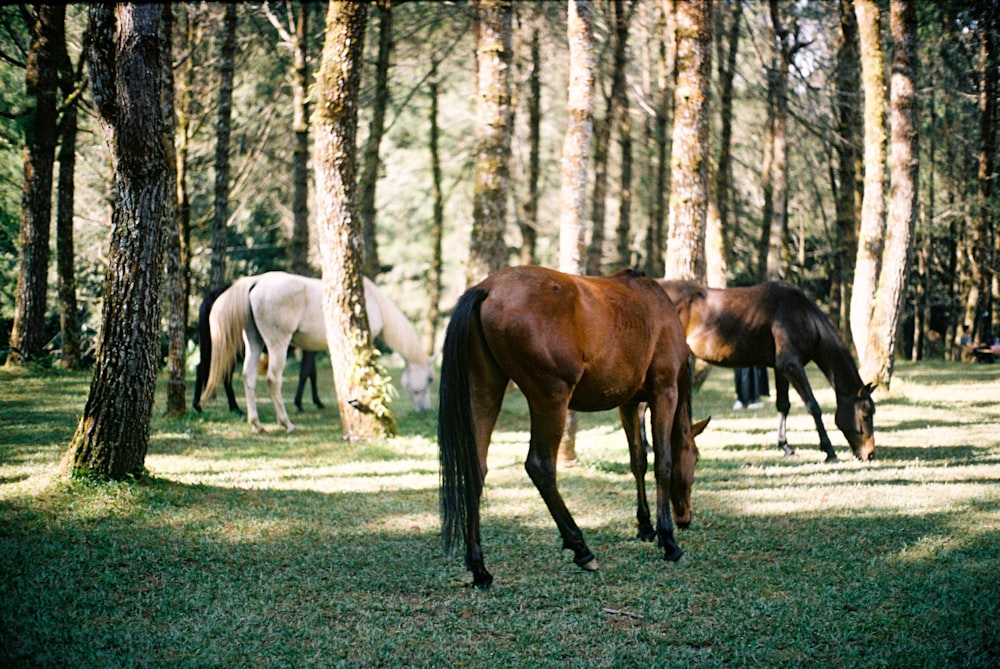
(529, 208)
(298, 249)
(362, 386)
(223, 130)
(881, 349)
(112, 438)
(435, 278)
(370, 166)
(27, 337)
(656, 237)
(685, 257)
(777, 231)
(488, 247)
(872, 232)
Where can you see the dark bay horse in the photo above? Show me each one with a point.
(775, 324)
(570, 343)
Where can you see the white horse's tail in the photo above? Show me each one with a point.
(230, 315)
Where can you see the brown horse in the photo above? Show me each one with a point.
(570, 343)
(775, 324)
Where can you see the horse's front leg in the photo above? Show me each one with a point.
(661, 420)
(782, 405)
(546, 431)
(631, 417)
(795, 374)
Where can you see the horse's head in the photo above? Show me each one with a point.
(855, 419)
(684, 458)
(417, 382)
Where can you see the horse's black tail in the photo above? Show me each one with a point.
(461, 476)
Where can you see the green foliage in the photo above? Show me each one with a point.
(304, 550)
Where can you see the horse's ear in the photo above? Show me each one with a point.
(699, 427)
(866, 391)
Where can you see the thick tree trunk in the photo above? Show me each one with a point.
(685, 257)
(223, 130)
(881, 349)
(362, 387)
(370, 166)
(27, 337)
(871, 236)
(488, 247)
(113, 435)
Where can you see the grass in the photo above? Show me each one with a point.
(299, 550)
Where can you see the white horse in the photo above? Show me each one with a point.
(276, 310)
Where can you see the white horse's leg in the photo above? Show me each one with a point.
(275, 371)
(253, 351)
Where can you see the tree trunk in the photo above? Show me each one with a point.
(575, 159)
(71, 84)
(871, 236)
(529, 209)
(655, 237)
(602, 139)
(370, 167)
(488, 247)
(298, 249)
(177, 290)
(847, 83)
(362, 387)
(184, 102)
(685, 257)
(778, 229)
(223, 129)
(881, 349)
(27, 337)
(435, 279)
(623, 231)
(113, 435)
(717, 245)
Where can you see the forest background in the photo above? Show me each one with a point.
(786, 110)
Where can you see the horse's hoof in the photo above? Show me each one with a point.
(289, 428)
(590, 566)
(831, 457)
(257, 429)
(646, 535)
(674, 554)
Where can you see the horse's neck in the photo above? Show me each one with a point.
(398, 332)
(838, 365)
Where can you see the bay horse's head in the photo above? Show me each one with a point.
(417, 382)
(855, 419)
(683, 458)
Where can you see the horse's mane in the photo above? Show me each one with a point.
(397, 331)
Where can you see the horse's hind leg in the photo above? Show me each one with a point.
(782, 405)
(253, 351)
(548, 420)
(275, 369)
(632, 418)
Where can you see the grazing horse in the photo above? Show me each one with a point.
(570, 343)
(307, 371)
(277, 310)
(775, 324)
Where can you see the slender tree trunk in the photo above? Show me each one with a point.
(872, 233)
(529, 209)
(435, 278)
(623, 231)
(847, 83)
(362, 387)
(778, 230)
(177, 290)
(184, 101)
(602, 138)
(27, 337)
(717, 244)
(690, 146)
(370, 166)
(113, 435)
(488, 247)
(71, 84)
(298, 249)
(881, 349)
(223, 130)
(656, 237)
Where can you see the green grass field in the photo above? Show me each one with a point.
(302, 550)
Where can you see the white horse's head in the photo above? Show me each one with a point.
(417, 381)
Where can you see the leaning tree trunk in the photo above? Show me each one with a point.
(362, 387)
(488, 248)
(872, 233)
(298, 249)
(113, 434)
(881, 349)
(27, 335)
(223, 130)
(435, 276)
(685, 257)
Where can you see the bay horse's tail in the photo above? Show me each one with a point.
(229, 316)
(461, 476)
